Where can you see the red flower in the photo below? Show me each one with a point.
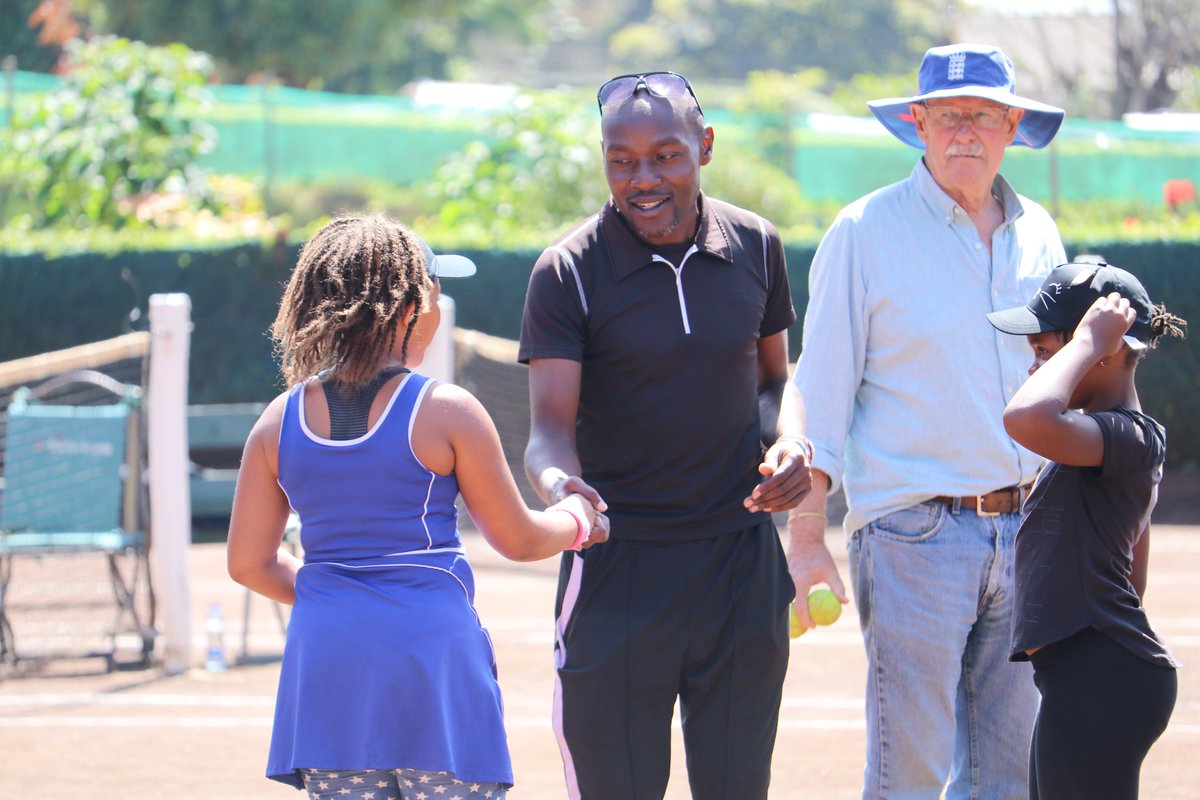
(1178, 191)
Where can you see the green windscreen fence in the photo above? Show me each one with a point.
(282, 133)
(294, 134)
(843, 158)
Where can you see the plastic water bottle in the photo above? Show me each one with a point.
(214, 629)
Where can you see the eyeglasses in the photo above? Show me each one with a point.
(988, 118)
(659, 84)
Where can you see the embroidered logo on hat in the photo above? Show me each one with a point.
(1067, 294)
(956, 67)
(1052, 289)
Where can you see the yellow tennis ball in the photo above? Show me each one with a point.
(797, 629)
(824, 606)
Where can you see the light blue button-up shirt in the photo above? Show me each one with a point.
(903, 378)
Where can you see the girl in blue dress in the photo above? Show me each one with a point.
(388, 681)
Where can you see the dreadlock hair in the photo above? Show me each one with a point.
(1162, 323)
(343, 305)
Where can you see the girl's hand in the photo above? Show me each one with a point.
(581, 506)
(1106, 322)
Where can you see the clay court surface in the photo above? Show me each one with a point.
(73, 732)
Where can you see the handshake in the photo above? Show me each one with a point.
(577, 498)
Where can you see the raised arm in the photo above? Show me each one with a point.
(1040, 415)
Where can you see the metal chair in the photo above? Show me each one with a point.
(72, 484)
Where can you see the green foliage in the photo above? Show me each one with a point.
(315, 202)
(1188, 98)
(539, 172)
(740, 176)
(851, 96)
(120, 127)
(730, 38)
(772, 90)
(162, 222)
(1128, 223)
(543, 173)
(368, 46)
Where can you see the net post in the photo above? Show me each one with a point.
(170, 501)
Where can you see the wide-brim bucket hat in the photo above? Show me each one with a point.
(969, 70)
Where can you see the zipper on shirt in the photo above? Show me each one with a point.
(683, 312)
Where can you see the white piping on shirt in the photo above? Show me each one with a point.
(683, 312)
(687, 327)
(762, 230)
(570, 262)
(345, 442)
(412, 420)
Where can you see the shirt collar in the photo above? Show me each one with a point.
(627, 253)
(943, 204)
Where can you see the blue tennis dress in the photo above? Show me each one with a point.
(386, 664)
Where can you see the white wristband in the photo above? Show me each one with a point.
(805, 445)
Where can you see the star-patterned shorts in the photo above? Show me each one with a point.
(395, 784)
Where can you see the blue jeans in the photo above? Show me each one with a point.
(945, 707)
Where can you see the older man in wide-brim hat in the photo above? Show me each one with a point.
(905, 383)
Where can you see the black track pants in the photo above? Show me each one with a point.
(643, 623)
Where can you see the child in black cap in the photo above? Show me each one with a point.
(1107, 681)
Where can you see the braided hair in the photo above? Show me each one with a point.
(344, 303)
(1162, 323)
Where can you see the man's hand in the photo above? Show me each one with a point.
(566, 485)
(582, 507)
(599, 532)
(786, 478)
(810, 562)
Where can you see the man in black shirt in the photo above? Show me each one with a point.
(655, 332)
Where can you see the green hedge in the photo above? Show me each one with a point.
(52, 304)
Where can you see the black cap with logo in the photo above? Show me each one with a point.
(1066, 295)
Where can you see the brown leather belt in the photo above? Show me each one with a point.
(1001, 501)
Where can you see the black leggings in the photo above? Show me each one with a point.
(1102, 708)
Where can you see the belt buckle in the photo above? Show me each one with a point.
(979, 507)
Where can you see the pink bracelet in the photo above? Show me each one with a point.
(582, 535)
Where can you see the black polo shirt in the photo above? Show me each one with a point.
(668, 428)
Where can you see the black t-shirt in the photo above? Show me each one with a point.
(668, 427)
(1074, 551)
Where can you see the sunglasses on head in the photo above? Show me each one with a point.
(659, 84)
